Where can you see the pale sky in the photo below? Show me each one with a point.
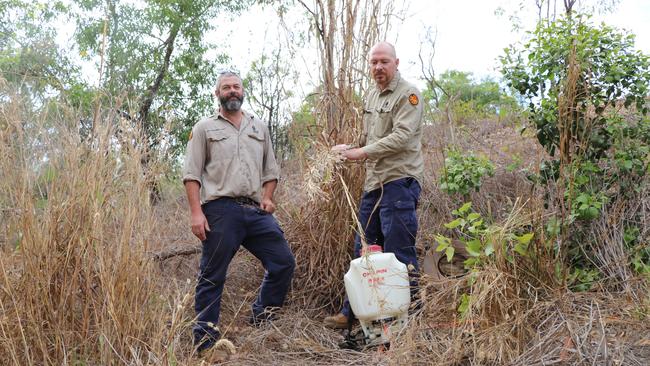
(470, 36)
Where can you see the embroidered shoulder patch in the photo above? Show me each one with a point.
(413, 99)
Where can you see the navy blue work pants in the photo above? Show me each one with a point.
(231, 225)
(388, 218)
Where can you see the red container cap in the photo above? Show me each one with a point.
(373, 249)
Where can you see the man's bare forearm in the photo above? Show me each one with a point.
(268, 189)
(193, 189)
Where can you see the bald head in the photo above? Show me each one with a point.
(383, 63)
(384, 47)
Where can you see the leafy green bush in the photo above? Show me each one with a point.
(586, 88)
(463, 173)
(479, 239)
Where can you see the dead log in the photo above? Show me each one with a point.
(184, 250)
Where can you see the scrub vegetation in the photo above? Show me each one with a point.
(534, 217)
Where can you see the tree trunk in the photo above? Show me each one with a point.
(152, 90)
(143, 115)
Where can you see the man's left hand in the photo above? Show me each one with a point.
(355, 154)
(267, 205)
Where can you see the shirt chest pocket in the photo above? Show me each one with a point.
(218, 142)
(382, 120)
(216, 136)
(255, 144)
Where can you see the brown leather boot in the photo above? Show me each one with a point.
(338, 321)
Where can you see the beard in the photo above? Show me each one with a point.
(232, 102)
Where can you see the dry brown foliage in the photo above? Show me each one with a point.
(76, 278)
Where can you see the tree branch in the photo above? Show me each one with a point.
(184, 250)
(152, 90)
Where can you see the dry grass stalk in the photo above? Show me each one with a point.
(608, 245)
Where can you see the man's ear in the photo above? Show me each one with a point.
(396, 62)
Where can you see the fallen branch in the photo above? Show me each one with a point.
(174, 252)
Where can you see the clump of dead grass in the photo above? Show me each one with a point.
(322, 170)
(322, 231)
(77, 282)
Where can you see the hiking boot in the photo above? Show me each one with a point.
(265, 317)
(338, 321)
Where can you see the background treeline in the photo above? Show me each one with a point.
(534, 227)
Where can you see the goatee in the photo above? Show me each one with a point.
(232, 105)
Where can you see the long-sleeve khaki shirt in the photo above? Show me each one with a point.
(228, 162)
(392, 134)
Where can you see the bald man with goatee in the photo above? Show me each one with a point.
(391, 146)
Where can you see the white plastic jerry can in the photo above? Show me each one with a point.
(377, 285)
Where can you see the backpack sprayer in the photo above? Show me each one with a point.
(377, 285)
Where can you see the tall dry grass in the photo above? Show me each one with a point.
(77, 282)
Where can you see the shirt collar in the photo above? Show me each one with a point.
(247, 117)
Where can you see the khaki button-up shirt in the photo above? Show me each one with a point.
(392, 134)
(228, 162)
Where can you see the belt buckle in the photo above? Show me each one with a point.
(245, 201)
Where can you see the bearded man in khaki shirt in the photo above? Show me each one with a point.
(230, 175)
(392, 148)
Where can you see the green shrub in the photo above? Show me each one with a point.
(586, 88)
(463, 173)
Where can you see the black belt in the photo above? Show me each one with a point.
(245, 201)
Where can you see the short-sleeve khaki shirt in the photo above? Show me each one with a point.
(228, 162)
(392, 134)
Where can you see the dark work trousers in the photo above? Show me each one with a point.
(231, 225)
(391, 224)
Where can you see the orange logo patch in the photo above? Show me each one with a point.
(413, 99)
(190, 137)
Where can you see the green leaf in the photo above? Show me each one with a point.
(474, 247)
(525, 239)
(489, 249)
(464, 208)
(473, 216)
(471, 262)
(627, 164)
(592, 213)
(522, 249)
(463, 307)
(450, 253)
(442, 240)
(454, 224)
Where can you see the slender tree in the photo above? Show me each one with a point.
(268, 93)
